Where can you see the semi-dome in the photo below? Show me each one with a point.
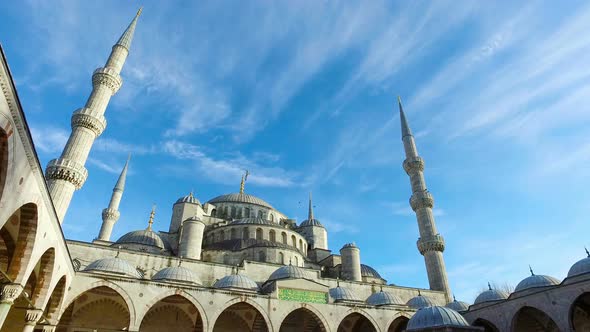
(311, 222)
(536, 280)
(240, 198)
(113, 265)
(177, 273)
(255, 221)
(236, 281)
(288, 272)
(491, 295)
(145, 237)
(435, 316)
(580, 267)
(367, 271)
(458, 305)
(420, 301)
(384, 298)
(188, 199)
(342, 294)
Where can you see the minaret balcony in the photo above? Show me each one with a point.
(67, 170)
(431, 243)
(83, 117)
(421, 199)
(413, 165)
(110, 214)
(108, 77)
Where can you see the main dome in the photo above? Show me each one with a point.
(240, 198)
(113, 265)
(435, 316)
(384, 298)
(255, 221)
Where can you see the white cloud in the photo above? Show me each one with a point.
(50, 140)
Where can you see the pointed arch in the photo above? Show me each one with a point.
(486, 324)
(357, 322)
(304, 319)
(172, 313)
(17, 241)
(241, 315)
(530, 319)
(44, 268)
(398, 324)
(3, 160)
(172, 292)
(272, 235)
(56, 300)
(579, 313)
(259, 234)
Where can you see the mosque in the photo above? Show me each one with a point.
(231, 263)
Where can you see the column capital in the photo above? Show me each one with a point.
(48, 328)
(10, 292)
(32, 316)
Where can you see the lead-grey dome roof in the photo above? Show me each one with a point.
(145, 237)
(188, 199)
(342, 294)
(580, 267)
(420, 301)
(536, 280)
(458, 305)
(491, 295)
(236, 281)
(113, 265)
(434, 317)
(288, 272)
(384, 298)
(240, 198)
(367, 271)
(311, 222)
(256, 221)
(177, 273)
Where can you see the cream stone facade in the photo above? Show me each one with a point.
(232, 263)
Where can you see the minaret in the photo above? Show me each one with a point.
(430, 244)
(111, 214)
(310, 212)
(67, 173)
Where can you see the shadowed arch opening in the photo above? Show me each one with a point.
(43, 270)
(580, 313)
(17, 238)
(3, 160)
(89, 310)
(56, 299)
(399, 324)
(173, 313)
(240, 317)
(487, 325)
(529, 319)
(302, 320)
(356, 322)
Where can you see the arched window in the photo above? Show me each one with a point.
(293, 241)
(300, 244)
(247, 212)
(245, 234)
(226, 211)
(234, 213)
(225, 259)
(223, 238)
(261, 256)
(240, 215)
(281, 258)
(214, 213)
(272, 217)
(259, 235)
(260, 214)
(233, 234)
(272, 236)
(284, 235)
(296, 260)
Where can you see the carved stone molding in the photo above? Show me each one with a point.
(421, 199)
(110, 214)
(32, 316)
(433, 243)
(10, 292)
(67, 170)
(413, 165)
(83, 117)
(108, 77)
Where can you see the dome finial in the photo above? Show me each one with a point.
(587, 252)
(237, 269)
(531, 269)
(454, 299)
(118, 250)
(337, 282)
(419, 294)
(179, 260)
(243, 183)
(381, 288)
(151, 220)
(489, 286)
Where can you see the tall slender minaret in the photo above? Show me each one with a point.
(430, 244)
(111, 214)
(67, 173)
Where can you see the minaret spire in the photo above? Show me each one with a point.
(111, 214)
(310, 213)
(67, 173)
(243, 182)
(430, 244)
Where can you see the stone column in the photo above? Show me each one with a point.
(32, 316)
(8, 294)
(48, 328)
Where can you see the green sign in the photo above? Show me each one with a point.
(302, 296)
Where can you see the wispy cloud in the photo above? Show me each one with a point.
(49, 139)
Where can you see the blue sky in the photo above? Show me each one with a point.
(303, 94)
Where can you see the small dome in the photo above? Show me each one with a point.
(236, 281)
(458, 305)
(288, 272)
(342, 294)
(349, 245)
(176, 273)
(256, 221)
(240, 198)
(145, 237)
(188, 199)
(311, 222)
(420, 301)
(113, 265)
(491, 295)
(367, 271)
(536, 281)
(384, 298)
(580, 267)
(434, 317)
